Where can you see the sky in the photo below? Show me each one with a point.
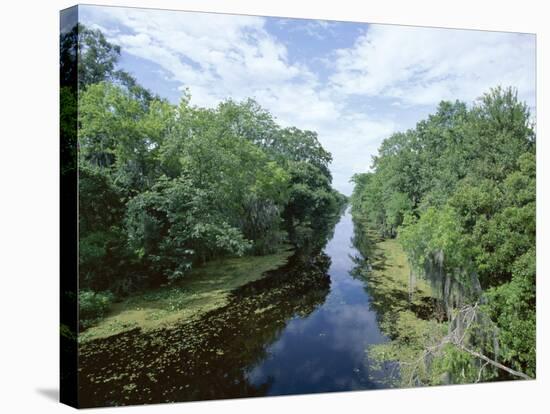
(353, 83)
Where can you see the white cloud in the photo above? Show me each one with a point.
(221, 56)
(216, 56)
(422, 66)
(318, 29)
(390, 68)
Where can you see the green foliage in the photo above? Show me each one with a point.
(397, 205)
(510, 232)
(97, 57)
(459, 191)
(435, 231)
(310, 194)
(164, 188)
(96, 61)
(171, 226)
(119, 134)
(68, 127)
(93, 306)
(454, 366)
(103, 254)
(513, 306)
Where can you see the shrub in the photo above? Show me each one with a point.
(93, 306)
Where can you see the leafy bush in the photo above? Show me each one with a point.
(172, 226)
(513, 306)
(93, 306)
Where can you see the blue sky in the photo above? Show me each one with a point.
(352, 83)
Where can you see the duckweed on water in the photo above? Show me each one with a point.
(207, 288)
(203, 358)
(408, 312)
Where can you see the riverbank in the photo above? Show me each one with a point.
(179, 362)
(205, 289)
(408, 312)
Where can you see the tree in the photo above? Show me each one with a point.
(171, 227)
(460, 187)
(119, 134)
(167, 187)
(103, 257)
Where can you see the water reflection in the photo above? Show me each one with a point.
(204, 359)
(325, 351)
(303, 328)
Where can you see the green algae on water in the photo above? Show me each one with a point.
(205, 289)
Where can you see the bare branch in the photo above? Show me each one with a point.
(481, 371)
(494, 363)
(468, 315)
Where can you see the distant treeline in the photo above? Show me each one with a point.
(165, 187)
(461, 185)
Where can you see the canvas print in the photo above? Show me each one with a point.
(260, 206)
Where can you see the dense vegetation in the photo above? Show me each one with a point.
(458, 193)
(164, 188)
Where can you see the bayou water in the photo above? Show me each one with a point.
(303, 328)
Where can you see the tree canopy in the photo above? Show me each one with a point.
(461, 185)
(164, 187)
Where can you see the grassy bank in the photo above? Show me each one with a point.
(206, 288)
(408, 314)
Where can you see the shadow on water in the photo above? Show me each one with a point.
(206, 358)
(325, 351)
(302, 328)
